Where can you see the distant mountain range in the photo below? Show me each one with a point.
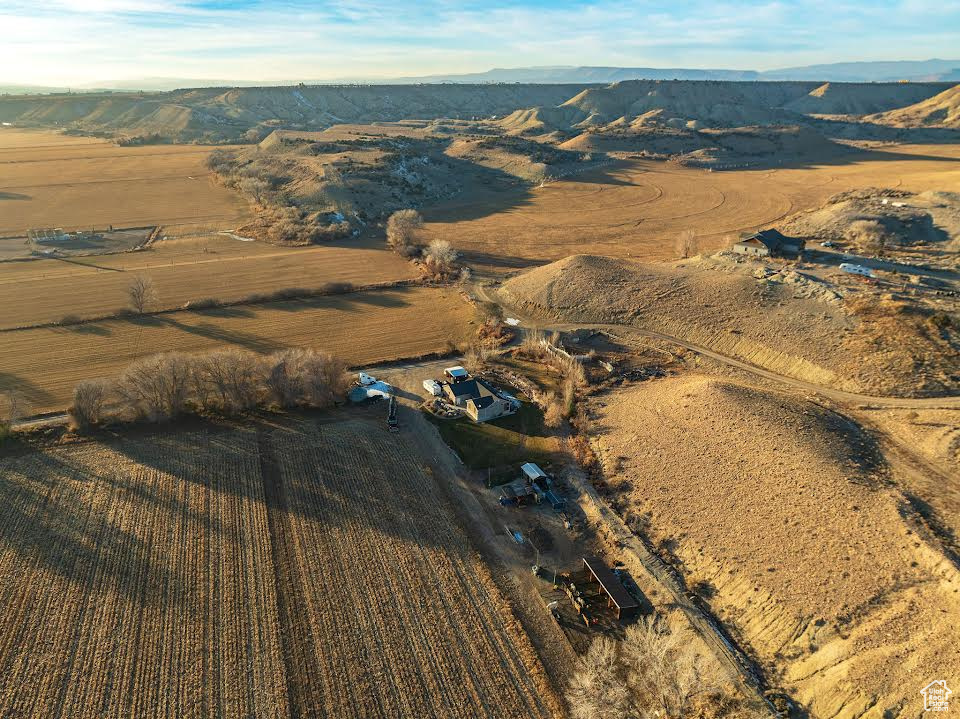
(881, 71)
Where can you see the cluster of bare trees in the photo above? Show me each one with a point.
(166, 385)
(438, 258)
(561, 405)
(652, 672)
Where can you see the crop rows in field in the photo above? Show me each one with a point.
(269, 572)
(133, 583)
(381, 565)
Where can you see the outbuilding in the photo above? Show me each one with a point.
(618, 598)
(769, 243)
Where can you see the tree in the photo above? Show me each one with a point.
(598, 690)
(401, 231)
(255, 187)
(89, 398)
(439, 258)
(686, 244)
(157, 387)
(142, 294)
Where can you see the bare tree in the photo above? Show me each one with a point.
(652, 672)
(255, 187)
(303, 376)
(401, 231)
(89, 398)
(439, 258)
(598, 690)
(230, 380)
(157, 387)
(142, 294)
(686, 244)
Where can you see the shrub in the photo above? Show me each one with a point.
(68, 320)
(868, 235)
(221, 161)
(305, 377)
(686, 244)
(205, 303)
(229, 380)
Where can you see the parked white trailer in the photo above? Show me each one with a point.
(433, 387)
(856, 269)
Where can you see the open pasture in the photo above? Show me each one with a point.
(637, 208)
(268, 570)
(44, 291)
(362, 327)
(50, 180)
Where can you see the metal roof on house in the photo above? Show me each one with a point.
(532, 470)
(611, 584)
(456, 371)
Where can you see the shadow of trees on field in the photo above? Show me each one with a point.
(14, 196)
(53, 518)
(29, 391)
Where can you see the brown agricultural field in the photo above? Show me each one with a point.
(362, 328)
(637, 208)
(44, 291)
(50, 180)
(274, 570)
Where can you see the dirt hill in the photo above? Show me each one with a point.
(942, 110)
(219, 114)
(786, 321)
(779, 513)
(837, 98)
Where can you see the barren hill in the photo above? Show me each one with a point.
(942, 110)
(218, 114)
(787, 321)
(797, 542)
(835, 98)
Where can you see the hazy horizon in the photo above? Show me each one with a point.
(61, 44)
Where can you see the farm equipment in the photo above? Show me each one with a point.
(392, 423)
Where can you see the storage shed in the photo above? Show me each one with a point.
(618, 597)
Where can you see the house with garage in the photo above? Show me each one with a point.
(480, 400)
(769, 243)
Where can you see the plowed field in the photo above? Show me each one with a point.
(637, 208)
(50, 180)
(268, 571)
(363, 327)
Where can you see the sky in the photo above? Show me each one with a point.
(80, 42)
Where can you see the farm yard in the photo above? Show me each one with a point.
(362, 327)
(636, 208)
(281, 569)
(51, 180)
(43, 291)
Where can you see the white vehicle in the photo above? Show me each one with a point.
(828, 243)
(433, 387)
(856, 269)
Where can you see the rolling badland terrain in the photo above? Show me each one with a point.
(766, 447)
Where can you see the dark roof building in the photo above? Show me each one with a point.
(481, 400)
(610, 584)
(766, 243)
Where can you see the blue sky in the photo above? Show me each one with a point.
(77, 42)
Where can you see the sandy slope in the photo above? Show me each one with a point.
(782, 508)
(942, 110)
(790, 323)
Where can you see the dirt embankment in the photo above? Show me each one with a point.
(784, 516)
(788, 323)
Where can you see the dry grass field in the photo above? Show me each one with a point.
(637, 208)
(276, 570)
(362, 327)
(50, 180)
(43, 291)
(799, 533)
